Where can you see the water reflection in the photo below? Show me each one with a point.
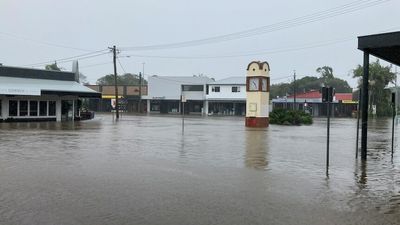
(256, 148)
(105, 172)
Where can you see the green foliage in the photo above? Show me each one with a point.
(379, 77)
(309, 83)
(289, 117)
(126, 79)
(53, 67)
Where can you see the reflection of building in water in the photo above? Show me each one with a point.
(256, 149)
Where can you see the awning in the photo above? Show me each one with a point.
(110, 96)
(37, 87)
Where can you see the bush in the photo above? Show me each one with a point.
(289, 117)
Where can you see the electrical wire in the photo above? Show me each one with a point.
(318, 16)
(71, 58)
(42, 42)
(120, 64)
(246, 54)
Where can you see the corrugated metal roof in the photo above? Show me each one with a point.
(232, 80)
(183, 79)
(27, 86)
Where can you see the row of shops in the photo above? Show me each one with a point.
(33, 95)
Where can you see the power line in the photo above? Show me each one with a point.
(260, 52)
(72, 58)
(246, 54)
(120, 64)
(94, 65)
(318, 16)
(42, 42)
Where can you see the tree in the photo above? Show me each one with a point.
(53, 67)
(309, 83)
(326, 72)
(83, 79)
(126, 79)
(379, 78)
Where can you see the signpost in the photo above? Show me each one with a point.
(393, 118)
(327, 96)
(183, 99)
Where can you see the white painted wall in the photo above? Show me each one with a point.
(226, 92)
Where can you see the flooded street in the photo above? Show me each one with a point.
(145, 170)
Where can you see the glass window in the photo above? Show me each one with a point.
(192, 87)
(43, 108)
(0, 108)
(235, 89)
(216, 89)
(52, 108)
(33, 108)
(13, 108)
(23, 108)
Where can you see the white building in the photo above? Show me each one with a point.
(164, 94)
(227, 96)
(203, 95)
(31, 95)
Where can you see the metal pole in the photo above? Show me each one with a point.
(114, 49)
(294, 91)
(364, 105)
(183, 116)
(327, 135)
(393, 118)
(358, 120)
(140, 93)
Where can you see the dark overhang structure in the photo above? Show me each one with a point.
(385, 46)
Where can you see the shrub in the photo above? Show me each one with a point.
(289, 117)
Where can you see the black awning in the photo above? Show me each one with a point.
(385, 46)
(78, 94)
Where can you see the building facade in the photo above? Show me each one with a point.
(343, 104)
(40, 95)
(128, 95)
(227, 97)
(165, 94)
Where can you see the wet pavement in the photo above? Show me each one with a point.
(144, 170)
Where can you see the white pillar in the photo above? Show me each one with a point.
(4, 108)
(58, 110)
(148, 105)
(205, 107)
(73, 110)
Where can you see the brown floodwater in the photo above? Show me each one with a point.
(145, 170)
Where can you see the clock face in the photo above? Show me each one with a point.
(253, 84)
(264, 85)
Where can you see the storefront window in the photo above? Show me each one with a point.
(52, 108)
(13, 108)
(23, 108)
(43, 108)
(33, 108)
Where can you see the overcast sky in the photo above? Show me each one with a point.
(45, 30)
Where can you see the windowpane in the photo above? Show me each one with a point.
(235, 89)
(33, 108)
(193, 87)
(23, 108)
(13, 108)
(52, 108)
(43, 108)
(215, 89)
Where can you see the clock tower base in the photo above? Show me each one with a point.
(257, 122)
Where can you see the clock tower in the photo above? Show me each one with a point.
(257, 94)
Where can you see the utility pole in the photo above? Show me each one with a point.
(140, 93)
(294, 90)
(114, 50)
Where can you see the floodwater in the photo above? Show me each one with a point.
(145, 170)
